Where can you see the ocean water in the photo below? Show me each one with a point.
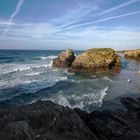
(28, 76)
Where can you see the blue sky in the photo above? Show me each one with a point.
(62, 24)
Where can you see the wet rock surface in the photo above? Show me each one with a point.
(64, 59)
(96, 60)
(49, 121)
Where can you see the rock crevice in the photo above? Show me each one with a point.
(50, 121)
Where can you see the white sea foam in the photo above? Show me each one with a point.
(17, 69)
(29, 81)
(33, 73)
(47, 57)
(63, 101)
(44, 65)
(7, 69)
(69, 73)
(108, 79)
(94, 99)
(60, 78)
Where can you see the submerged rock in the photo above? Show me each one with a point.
(64, 59)
(50, 121)
(96, 60)
(133, 54)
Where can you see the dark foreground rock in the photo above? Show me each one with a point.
(96, 60)
(49, 121)
(64, 59)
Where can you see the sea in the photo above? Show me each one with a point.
(27, 76)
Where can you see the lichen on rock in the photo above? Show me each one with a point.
(96, 60)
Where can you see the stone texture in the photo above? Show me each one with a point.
(43, 121)
(96, 60)
(64, 59)
(49, 121)
(133, 54)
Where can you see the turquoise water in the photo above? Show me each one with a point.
(28, 76)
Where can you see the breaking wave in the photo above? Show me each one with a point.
(86, 101)
(47, 57)
(108, 79)
(34, 73)
(20, 68)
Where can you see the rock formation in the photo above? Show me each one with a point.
(49, 121)
(64, 59)
(96, 60)
(133, 54)
(43, 121)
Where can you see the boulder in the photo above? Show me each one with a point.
(96, 60)
(133, 54)
(64, 59)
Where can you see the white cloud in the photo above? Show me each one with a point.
(19, 4)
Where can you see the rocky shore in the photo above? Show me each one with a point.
(92, 60)
(96, 60)
(49, 121)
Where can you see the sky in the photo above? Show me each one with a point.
(76, 24)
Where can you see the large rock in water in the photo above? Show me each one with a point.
(64, 59)
(96, 60)
(133, 54)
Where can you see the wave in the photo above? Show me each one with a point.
(69, 73)
(18, 69)
(93, 99)
(108, 79)
(34, 73)
(22, 68)
(47, 57)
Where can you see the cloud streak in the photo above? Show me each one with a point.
(102, 20)
(95, 8)
(18, 7)
(118, 7)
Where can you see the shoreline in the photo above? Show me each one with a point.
(47, 120)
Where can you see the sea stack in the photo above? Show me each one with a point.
(96, 60)
(133, 54)
(64, 59)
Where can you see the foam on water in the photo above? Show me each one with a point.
(34, 73)
(108, 79)
(13, 68)
(47, 57)
(83, 101)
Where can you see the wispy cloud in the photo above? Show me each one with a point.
(78, 27)
(13, 15)
(118, 7)
(102, 20)
(95, 11)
